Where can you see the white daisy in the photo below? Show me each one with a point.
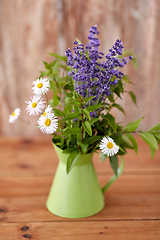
(48, 110)
(14, 116)
(41, 86)
(108, 146)
(35, 106)
(48, 123)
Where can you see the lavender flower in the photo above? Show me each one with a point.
(91, 77)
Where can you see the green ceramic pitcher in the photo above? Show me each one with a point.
(77, 194)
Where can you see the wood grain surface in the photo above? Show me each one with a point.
(27, 168)
(29, 29)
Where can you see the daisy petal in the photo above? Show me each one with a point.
(108, 146)
(35, 106)
(14, 116)
(48, 123)
(41, 86)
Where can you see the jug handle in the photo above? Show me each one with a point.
(114, 177)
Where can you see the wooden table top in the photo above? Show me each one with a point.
(27, 167)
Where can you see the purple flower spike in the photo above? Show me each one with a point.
(91, 77)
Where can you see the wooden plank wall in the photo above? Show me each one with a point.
(29, 29)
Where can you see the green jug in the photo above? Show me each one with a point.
(77, 194)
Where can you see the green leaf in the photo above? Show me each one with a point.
(92, 139)
(52, 64)
(46, 65)
(157, 136)
(62, 84)
(71, 131)
(126, 142)
(73, 103)
(86, 113)
(84, 134)
(102, 157)
(87, 99)
(77, 109)
(132, 126)
(117, 91)
(69, 86)
(83, 147)
(111, 121)
(152, 152)
(87, 127)
(55, 73)
(69, 150)
(126, 79)
(63, 58)
(118, 107)
(134, 62)
(133, 141)
(155, 129)
(93, 120)
(72, 159)
(114, 163)
(121, 150)
(149, 139)
(56, 99)
(110, 97)
(50, 102)
(78, 96)
(69, 100)
(79, 136)
(120, 85)
(71, 116)
(58, 112)
(133, 97)
(67, 109)
(94, 107)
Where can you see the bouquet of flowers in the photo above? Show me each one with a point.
(86, 84)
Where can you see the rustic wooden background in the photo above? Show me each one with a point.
(29, 29)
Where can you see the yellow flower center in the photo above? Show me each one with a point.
(110, 145)
(47, 122)
(13, 114)
(44, 114)
(34, 105)
(39, 85)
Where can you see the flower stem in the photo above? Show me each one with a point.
(27, 122)
(46, 98)
(82, 128)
